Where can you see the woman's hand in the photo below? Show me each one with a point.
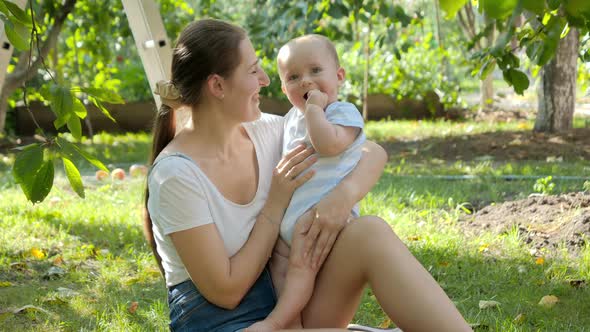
(329, 217)
(333, 211)
(286, 177)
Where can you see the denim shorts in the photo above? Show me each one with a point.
(190, 311)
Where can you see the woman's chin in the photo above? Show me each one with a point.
(255, 114)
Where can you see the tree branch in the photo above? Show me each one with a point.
(23, 72)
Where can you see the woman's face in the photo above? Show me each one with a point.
(243, 86)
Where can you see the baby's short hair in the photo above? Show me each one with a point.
(323, 39)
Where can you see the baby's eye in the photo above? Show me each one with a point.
(293, 77)
(316, 70)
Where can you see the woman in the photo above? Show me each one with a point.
(218, 191)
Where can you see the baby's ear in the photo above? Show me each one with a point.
(283, 88)
(340, 73)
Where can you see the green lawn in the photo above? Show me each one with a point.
(98, 244)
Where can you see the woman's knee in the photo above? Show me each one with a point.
(368, 229)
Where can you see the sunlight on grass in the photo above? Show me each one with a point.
(412, 130)
(98, 243)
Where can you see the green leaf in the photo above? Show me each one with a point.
(553, 4)
(487, 68)
(71, 149)
(577, 8)
(62, 101)
(75, 127)
(535, 6)
(26, 165)
(551, 42)
(400, 16)
(500, 45)
(498, 9)
(519, 80)
(4, 9)
(61, 120)
(15, 35)
(451, 7)
(510, 60)
(337, 10)
(18, 13)
(43, 182)
(73, 176)
(104, 95)
(533, 49)
(103, 109)
(79, 108)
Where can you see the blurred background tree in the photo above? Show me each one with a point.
(82, 52)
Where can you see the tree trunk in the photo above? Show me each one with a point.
(438, 32)
(366, 74)
(486, 92)
(486, 87)
(3, 110)
(557, 91)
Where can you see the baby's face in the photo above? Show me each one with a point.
(307, 65)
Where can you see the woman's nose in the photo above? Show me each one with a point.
(264, 79)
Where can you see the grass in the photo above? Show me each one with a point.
(98, 244)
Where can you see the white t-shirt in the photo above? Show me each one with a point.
(182, 197)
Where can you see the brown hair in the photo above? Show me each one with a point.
(204, 47)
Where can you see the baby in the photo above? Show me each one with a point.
(310, 75)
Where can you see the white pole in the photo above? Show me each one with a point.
(153, 46)
(150, 37)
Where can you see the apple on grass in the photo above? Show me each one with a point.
(101, 175)
(118, 174)
(137, 170)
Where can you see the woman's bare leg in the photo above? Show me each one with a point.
(368, 251)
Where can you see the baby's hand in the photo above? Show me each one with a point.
(318, 98)
(262, 326)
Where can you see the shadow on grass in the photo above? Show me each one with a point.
(95, 307)
(517, 283)
(107, 283)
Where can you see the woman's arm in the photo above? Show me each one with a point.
(225, 280)
(333, 211)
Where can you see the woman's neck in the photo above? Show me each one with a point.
(211, 134)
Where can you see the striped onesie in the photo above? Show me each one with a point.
(329, 170)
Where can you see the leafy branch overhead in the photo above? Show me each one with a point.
(34, 166)
(546, 23)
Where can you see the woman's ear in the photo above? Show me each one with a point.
(215, 85)
(340, 73)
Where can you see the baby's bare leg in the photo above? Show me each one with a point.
(279, 264)
(293, 279)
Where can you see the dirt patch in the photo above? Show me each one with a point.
(542, 221)
(499, 146)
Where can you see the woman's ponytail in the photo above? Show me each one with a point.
(163, 132)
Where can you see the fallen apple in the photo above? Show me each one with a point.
(138, 170)
(101, 175)
(118, 174)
